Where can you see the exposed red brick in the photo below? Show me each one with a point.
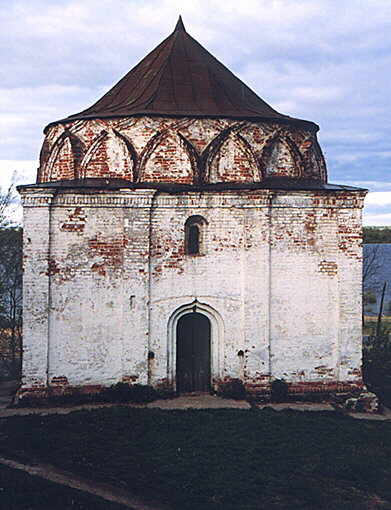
(59, 381)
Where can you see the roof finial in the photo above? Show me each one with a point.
(180, 26)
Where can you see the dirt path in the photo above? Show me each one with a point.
(107, 492)
(185, 402)
(197, 403)
(44, 411)
(201, 401)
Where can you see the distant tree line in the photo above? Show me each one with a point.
(378, 235)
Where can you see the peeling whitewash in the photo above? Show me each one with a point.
(107, 278)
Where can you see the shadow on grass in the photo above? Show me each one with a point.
(21, 491)
(217, 459)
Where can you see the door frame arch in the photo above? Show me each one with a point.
(216, 340)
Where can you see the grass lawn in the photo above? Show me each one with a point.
(20, 491)
(217, 459)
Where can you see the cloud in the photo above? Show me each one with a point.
(17, 172)
(373, 220)
(377, 207)
(25, 111)
(378, 198)
(324, 61)
(371, 185)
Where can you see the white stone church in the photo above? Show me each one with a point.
(182, 233)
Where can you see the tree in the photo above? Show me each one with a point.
(10, 290)
(370, 275)
(369, 297)
(11, 296)
(377, 235)
(371, 266)
(380, 314)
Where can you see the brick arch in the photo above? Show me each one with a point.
(256, 134)
(169, 157)
(209, 153)
(195, 158)
(281, 157)
(132, 151)
(63, 159)
(231, 159)
(314, 162)
(111, 155)
(44, 155)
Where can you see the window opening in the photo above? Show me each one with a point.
(194, 235)
(193, 244)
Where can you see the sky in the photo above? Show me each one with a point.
(327, 61)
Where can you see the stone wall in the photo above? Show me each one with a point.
(151, 149)
(107, 277)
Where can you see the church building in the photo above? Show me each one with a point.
(182, 233)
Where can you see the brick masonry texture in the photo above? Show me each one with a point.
(107, 277)
(106, 274)
(151, 149)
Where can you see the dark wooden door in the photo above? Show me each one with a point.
(193, 353)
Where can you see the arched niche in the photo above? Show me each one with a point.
(233, 161)
(64, 158)
(216, 339)
(167, 159)
(255, 135)
(110, 155)
(281, 158)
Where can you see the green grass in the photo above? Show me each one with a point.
(21, 491)
(217, 459)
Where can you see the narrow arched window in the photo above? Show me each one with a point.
(195, 235)
(193, 242)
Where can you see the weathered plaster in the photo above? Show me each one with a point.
(106, 278)
(179, 150)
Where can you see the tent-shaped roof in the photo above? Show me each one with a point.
(181, 78)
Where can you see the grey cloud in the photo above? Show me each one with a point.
(324, 61)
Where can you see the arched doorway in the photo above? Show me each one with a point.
(193, 349)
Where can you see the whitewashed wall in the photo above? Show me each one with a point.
(105, 273)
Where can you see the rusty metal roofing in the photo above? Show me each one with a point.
(181, 78)
(271, 183)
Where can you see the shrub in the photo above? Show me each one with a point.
(377, 367)
(234, 388)
(118, 393)
(279, 391)
(137, 393)
(71, 398)
(165, 393)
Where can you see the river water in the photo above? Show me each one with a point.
(380, 272)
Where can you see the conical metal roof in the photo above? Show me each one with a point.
(181, 78)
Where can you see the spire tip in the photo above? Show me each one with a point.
(180, 25)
